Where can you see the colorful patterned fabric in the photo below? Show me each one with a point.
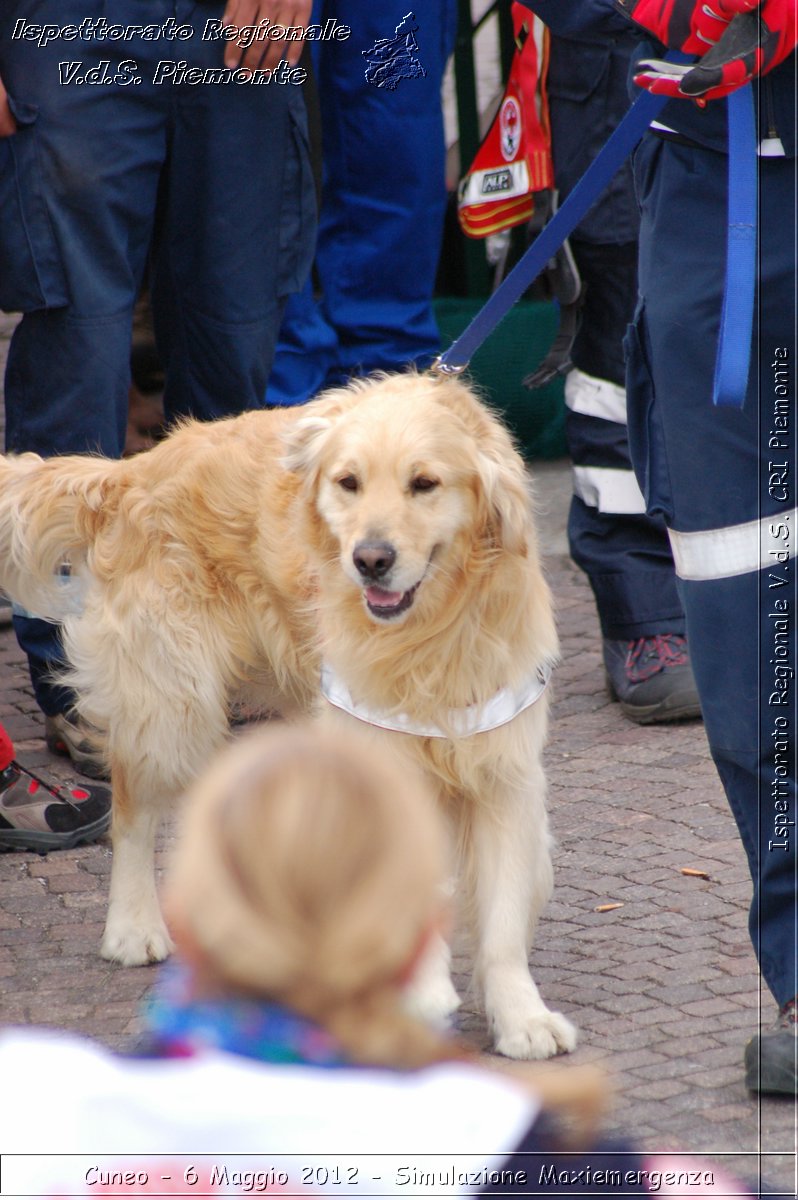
(185, 1025)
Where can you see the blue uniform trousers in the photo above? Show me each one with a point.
(708, 471)
(623, 551)
(211, 181)
(383, 203)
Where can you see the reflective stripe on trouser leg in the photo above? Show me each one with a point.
(624, 552)
(594, 397)
(735, 549)
(609, 490)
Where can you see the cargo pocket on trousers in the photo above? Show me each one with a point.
(31, 271)
(646, 438)
(298, 217)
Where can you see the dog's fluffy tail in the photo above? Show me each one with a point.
(50, 510)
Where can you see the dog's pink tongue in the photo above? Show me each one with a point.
(381, 599)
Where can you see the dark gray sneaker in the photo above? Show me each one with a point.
(67, 735)
(652, 678)
(34, 815)
(771, 1058)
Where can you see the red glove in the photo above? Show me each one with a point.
(737, 39)
(689, 25)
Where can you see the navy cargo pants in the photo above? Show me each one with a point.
(725, 482)
(623, 550)
(383, 202)
(116, 164)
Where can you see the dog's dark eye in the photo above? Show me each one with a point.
(423, 484)
(348, 483)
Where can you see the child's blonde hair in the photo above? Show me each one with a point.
(309, 872)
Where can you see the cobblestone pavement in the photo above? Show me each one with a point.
(664, 988)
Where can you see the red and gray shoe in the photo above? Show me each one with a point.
(652, 678)
(771, 1058)
(35, 815)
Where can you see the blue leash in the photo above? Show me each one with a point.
(609, 159)
(737, 317)
(731, 373)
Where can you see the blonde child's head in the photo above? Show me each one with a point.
(309, 872)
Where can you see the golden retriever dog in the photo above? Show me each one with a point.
(380, 539)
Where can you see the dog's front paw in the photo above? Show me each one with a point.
(540, 1036)
(132, 946)
(433, 1000)
(431, 995)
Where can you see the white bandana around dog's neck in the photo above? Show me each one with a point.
(502, 708)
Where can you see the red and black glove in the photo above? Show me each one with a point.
(737, 40)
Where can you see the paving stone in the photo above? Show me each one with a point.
(709, 1008)
(658, 1090)
(728, 1076)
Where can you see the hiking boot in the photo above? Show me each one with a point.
(771, 1058)
(652, 678)
(67, 735)
(34, 815)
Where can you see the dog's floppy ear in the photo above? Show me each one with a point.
(503, 483)
(304, 441)
(505, 492)
(303, 444)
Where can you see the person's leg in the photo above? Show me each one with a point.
(234, 237)
(307, 345)
(624, 552)
(384, 190)
(85, 162)
(715, 475)
(306, 351)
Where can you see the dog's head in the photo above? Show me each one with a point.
(406, 478)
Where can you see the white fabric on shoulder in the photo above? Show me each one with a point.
(371, 1129)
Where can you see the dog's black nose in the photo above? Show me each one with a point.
(374, 559)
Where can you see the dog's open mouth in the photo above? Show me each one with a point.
(389, 604)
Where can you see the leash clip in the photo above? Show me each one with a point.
(441, 367)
